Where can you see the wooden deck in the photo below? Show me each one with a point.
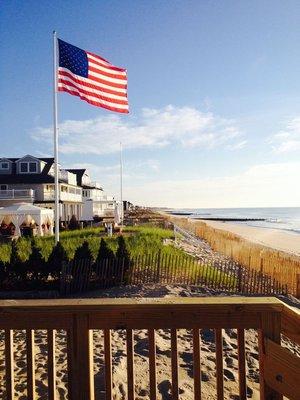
(279, 368)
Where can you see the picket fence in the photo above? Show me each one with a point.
(80, 276)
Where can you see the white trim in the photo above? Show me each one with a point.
(29, 155)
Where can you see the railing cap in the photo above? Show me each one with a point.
(255, 303)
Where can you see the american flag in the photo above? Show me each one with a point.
(92, 78)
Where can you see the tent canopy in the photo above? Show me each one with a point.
(24, 213)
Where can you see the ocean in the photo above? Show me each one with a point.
(282, 218)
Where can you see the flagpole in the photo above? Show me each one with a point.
(55, 128)
(121, 184)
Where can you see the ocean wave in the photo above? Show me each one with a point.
(275, 220)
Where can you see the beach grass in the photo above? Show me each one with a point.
(139, 240)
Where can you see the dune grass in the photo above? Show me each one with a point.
(139, 240)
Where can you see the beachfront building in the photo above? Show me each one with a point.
(31, 180)
(96, 203)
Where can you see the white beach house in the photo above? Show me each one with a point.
(31, 180)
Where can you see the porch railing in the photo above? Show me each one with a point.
(11, 194)
(279, 368)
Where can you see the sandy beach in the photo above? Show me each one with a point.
(274, 238)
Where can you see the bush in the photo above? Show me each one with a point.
(73, 224)
(56, 259)
(3, 274)
(83, 252)
(36, 266)
(104, 251)
(123, 253)
(17, 268)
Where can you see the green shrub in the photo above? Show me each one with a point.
(83, 252)
(104, 251)
(56, 260)
(123, 253)
(36, 265)
(73, 224)
(3, 274)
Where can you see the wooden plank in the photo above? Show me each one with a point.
(9, 364)
(270, 329)
(282, 370)
(290, 323)
(197, 364)
(152, 363)
(30, 364)
(130, 364)
(71, 305)
(219, 364)
(175, 316)
(242, 364)
(80, 359)
(51, 365)
(174, 364)
(108, 364)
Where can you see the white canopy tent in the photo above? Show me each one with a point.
(28, 214)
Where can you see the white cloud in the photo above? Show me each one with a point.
(264, 185)
(238, 145)
(288, 139)
(156, 128)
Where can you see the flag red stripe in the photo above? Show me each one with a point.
(95, 103)
(105, 63)
(113, 84)
(100, 71)
(91, 93)
(105, 74)
(76, 80)
(92, 97)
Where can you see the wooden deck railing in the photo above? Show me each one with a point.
(279, 368)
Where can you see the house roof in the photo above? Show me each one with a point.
(43, 177)
(79, 174)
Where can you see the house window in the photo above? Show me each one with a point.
(28, 167)
(23, 167)
(32, 167)
(4, 165)
(3, 187)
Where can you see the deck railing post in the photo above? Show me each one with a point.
(80, 359)
(298, 286)
(270, 329)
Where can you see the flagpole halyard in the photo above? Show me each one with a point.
(55, 131)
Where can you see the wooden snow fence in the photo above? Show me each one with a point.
(80, 276)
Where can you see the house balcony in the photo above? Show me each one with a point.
(64, 196)
(17, 194)
(77, 322)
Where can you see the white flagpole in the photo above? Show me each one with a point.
(121, 185)
(55, 127)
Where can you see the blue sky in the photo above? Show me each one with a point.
(214, 95)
